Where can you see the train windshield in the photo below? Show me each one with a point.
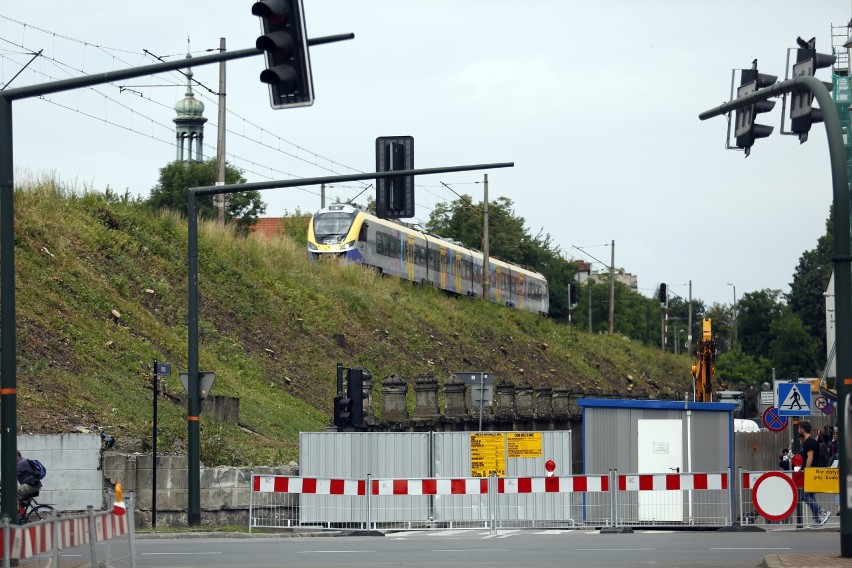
(332, 224)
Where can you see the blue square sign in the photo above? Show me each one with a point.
(794, 399)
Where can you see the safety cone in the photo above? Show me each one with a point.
(118, 507)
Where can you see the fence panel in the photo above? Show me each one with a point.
(553, 502)
(800, 517)
(673, 499)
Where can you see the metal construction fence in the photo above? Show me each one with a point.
(578, 501)
(93, 538)
(801, 516)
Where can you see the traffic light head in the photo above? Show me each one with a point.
(802, 113)
(572, 294)
(285, 42)
(355, 378)
(663, 296)
(342, 411)
(746, 129)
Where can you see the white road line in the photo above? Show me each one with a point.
(752, 548)
(614, 549)
(178, 553)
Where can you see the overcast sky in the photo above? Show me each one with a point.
(596, 103)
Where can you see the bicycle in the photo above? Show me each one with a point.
(30, 510)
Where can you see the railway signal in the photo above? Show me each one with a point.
(662, 296)
(394, 195)
(284, 40)
(746, 129)
(355, 393)
(572, 295)
(342, 411)
(802, 113)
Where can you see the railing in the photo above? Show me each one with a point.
(579, 501)
(92, 538)
(801, 516)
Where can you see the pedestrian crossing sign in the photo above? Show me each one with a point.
(794, 399)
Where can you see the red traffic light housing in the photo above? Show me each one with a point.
(285, 43)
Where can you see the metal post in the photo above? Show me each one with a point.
(612, 288)
(220, 140)
(154, 450)
(369, 501)
(54, 520)
(486, 251)
(193, 403)
(131, 527)
(481, 397)
(842, 260)
(8, 341)
(7, 534)
(93, 538)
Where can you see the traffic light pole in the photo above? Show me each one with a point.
(194, 405)
(8, 341)
(842, 262)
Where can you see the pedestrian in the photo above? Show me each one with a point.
(784, 460)
(29, 484)
(811, 458)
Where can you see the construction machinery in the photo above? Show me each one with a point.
(704, 369)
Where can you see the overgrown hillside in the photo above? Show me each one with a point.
(101, 293)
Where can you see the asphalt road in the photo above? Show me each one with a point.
(518, 549)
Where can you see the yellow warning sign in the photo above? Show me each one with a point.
(525, 445)
(822, 480)
(487, 454)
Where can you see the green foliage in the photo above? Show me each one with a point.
(737, 367)
(508, 240)
(793, 348)
(755, 313)
(241, 208)
(102, 294)
(810, 280)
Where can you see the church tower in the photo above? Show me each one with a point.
(189, 124)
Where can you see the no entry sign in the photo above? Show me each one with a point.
(774, 496)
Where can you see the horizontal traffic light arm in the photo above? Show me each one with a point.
(815, 86)
(62, 85)
(841, 261)
(238, 187)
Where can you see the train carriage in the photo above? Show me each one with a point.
(347, 231)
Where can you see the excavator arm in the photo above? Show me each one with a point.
(704, 369)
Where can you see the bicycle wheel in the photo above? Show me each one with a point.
(40, 513)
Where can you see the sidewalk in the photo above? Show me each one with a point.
(806, 561)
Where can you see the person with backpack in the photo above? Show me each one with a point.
(30, 474)
(811, 458)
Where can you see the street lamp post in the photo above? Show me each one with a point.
(735, 312)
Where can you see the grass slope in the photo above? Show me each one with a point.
(272, 326)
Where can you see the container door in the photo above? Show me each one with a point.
(660, 450)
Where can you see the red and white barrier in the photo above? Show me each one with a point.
(571, 484)
(38, 538)
(308, 485)
(461, 486)
(673, 482)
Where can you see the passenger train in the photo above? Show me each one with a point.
(347, 231)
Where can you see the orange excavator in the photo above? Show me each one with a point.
(704, 369)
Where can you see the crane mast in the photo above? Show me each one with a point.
(704, 369)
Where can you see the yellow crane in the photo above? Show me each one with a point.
(704, 369)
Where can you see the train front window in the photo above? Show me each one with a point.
(332, 224)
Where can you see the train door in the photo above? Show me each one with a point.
(442, 267)
(409, 257)
(498, 284)
(520, 300)
(457, 277)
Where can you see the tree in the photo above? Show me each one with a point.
(755, 313)
(242, 208)
(810, 280)
(737, 367)
(508, 240)
(793, 348)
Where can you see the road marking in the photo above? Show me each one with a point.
(332, 551)
(178, 553)
(613, 549)
(478, 550)
(752, 548)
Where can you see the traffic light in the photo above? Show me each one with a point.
(802, 113)
(394, 195)
(355, 378)
(285, 43)
(572, 296)
(662, 296)
(746, 129)
(342, 411)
